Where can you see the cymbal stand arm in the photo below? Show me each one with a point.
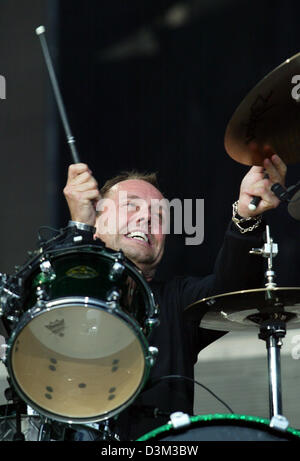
(269, 251)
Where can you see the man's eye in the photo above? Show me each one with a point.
(132, 206)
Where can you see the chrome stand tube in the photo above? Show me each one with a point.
(272, 333)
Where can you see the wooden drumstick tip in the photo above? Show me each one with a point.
(40, 30)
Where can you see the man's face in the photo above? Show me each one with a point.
(131, 220)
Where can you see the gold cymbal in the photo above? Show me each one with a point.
(268, 119)
(247, 309)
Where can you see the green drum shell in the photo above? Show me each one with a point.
(222, 427)
(84, 271)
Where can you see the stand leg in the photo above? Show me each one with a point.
(275, 397)
(272, 333)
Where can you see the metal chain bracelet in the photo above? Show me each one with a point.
(238, 220)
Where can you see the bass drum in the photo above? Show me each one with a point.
(218, 427)
(79, 351)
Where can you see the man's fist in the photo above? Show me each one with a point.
(82, 194)
(256, 184)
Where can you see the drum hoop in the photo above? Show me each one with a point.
(24, 321)
(218, 418)
(109, 254)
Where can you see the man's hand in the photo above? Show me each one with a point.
(254, 184)
(81, 193)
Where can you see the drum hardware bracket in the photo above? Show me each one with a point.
(269, 251)
(10, 293)
(6, 294)
(107, 432)
(152, 322)
(112, 305)
(113, 297)
(153, 353)
(40, 305)
(13, 318)
(77, 238)
(279, 422)
(116, 271)
(120, 256)
(179, 420)
(47, 270)
(41, 295)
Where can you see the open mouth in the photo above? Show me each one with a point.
(139, 236)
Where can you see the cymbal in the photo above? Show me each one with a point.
(247, 309)
(267, 120)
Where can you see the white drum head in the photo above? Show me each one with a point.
(78, 363)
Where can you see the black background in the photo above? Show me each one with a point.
(168, 111)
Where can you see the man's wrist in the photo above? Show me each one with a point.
(245, 224)
(82, 226)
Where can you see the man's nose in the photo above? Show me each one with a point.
(143, 219)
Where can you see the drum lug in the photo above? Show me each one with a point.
(46, 276)
(13, 318)
(41, 294)
(120, 256)
(152, 322)
(179, 420)
(280, 422)
(40, 305)
(113, 296)
(47, 270)
(116, 271)
(153, 353)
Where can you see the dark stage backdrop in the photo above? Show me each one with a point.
(28, 173)
(147, 89)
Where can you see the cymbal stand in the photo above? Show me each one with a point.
(272, 330)
(272, 333)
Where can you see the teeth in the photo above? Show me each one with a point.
(138, 235)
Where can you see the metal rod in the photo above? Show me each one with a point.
(275, 396)
(272, 333)
(40, 31)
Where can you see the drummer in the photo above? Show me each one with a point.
(177, 340)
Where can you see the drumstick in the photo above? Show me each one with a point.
(40, 31)
(254, 203)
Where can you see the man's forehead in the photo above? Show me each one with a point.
(136, 188)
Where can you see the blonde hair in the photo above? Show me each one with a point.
(125, 176)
